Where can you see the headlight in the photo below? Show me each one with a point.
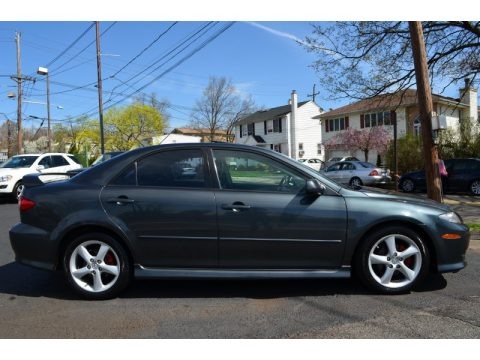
(451, 217)
(5, 178)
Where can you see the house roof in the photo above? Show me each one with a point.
(268, 114)
(387, 101)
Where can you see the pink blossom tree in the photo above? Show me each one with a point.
(374, 138)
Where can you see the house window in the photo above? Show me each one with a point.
(338, 124)
(277, 148)
(319, 149)
(240, 130)
(265, 128)
(376, 119)
(300, 146)
(417, 127)
(251, 129)
(277, 125)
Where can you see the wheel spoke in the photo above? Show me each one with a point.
(411, 250)
(83, 252)
(97, 281)
(80, 273)
(110, 269)
(102, 252)
(387, 277)
(392, 248)
(405, 270)
(378, 259)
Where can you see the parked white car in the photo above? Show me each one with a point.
(13, 170)
(314, 163)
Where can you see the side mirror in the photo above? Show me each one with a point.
(314, 187)
(40, 167)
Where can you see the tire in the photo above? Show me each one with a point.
(407, 185)
(355, 182)
(17, 190)
(475, 187)
(96, 266)
(392, 260)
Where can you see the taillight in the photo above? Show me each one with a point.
(25, 204)
(373, 173)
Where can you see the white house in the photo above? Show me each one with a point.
(175, 138)
(403, 106)
(290, 129)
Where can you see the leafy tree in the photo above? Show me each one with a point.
(128, 127)
(220, 107)
(364, 59)
(409, 153)
(375, 138)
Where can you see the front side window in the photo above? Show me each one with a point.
(255, 172)
(46, 162)
(178, 168)
(19, 161)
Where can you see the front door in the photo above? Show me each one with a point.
(165, 203)
(266, 220)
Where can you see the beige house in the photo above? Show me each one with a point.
(403, 106)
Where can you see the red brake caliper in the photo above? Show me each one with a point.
(409, 260)
(110, 259)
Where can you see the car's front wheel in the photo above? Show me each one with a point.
(96, 266)
(475, 187)
(407, 185)
(392, 260)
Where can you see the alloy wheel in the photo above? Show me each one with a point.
(407, 185)
(94, 266)
(475, 187)
(395, 261)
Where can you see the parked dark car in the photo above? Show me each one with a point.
(463, 176)
(142, 215)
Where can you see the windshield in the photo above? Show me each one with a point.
(21, 161)
(367, 165)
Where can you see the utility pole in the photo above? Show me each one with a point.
(99, 83)
(424, 94)
(44, 71)
(313, 94)
(19, 97)
(9, 140)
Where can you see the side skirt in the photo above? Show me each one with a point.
(151, 273)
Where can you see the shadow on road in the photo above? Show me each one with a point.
(20, 280)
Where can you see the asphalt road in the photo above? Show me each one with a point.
(38, 304)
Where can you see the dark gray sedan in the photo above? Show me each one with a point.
(142, 215)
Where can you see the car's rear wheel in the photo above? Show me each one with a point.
(475, 187)
(392, 260)
(96, 266)
(407, 185)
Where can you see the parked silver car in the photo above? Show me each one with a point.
(357, 173)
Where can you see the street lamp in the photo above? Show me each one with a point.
(44, 71)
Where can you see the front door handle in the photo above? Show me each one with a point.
(121, 200)
(236, 206)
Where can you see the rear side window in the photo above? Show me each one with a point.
(74, 159)
(59, 160)
(177, 168)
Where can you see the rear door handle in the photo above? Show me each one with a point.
(121, 200)
(236, 206)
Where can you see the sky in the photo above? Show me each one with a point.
(262, 59)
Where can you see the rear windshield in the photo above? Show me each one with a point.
(17, 162)
(74, 158)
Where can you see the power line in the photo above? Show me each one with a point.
(55, 71)
(70, 46)
(148, 47)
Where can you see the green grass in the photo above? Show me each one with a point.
(474, 227)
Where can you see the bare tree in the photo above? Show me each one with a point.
(220, 107)
(364, 59)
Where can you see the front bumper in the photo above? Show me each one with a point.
(33, 247)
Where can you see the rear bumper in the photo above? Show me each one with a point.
(33, 247)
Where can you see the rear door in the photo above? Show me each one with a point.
(165, 203)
